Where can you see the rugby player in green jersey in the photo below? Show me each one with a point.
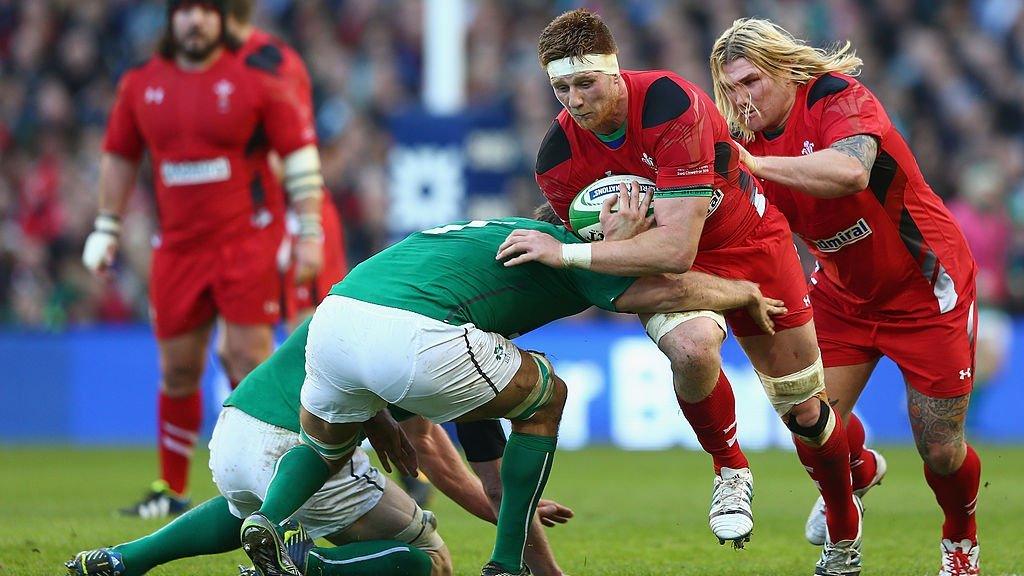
(379, 529)
(425, 326)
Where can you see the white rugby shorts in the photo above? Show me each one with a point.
(361, 357)
(243, 455)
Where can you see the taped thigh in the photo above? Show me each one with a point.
(542, 391)
(663, 323)
(785, 392)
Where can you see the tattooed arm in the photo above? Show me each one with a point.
(842, 169)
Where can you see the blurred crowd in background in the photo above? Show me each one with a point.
(951, 74)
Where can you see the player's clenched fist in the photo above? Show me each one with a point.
(101, 244)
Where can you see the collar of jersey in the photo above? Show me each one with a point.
(615, 139)
(773, 133)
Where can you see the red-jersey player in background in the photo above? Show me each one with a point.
(711, 216)
(303, 290)
(895, 275)
(197, 110)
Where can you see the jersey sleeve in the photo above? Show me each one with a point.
(123, 136)
(600, 290)
(849, 112)
(557, 193)
(285, 118)
(294, 72)
(685, 154)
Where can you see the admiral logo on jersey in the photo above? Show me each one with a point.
(855, 233)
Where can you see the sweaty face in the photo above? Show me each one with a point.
(196, 28)
(590, 97)
(763, 101)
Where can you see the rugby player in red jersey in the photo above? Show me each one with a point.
(895, 276)
(199, 112)
(315, 261)
(711, 217)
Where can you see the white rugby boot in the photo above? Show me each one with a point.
(842, 558)
(814, 529)
(731, 518)
(960, 558)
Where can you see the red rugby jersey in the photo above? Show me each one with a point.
(674, 136)
(892, 248)
(272, 54)
(202, 131)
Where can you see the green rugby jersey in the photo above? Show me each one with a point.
(449, 274)
(270, 393)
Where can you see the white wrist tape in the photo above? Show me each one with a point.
(108, 223)
(310, 226)
(577, 255)
(605, 63)
(302, 178)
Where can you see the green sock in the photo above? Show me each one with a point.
(524, 472)
(209, 528)
(300, 473)
(370, 558)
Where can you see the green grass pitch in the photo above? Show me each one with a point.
(636, 514)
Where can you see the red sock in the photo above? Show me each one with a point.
(829, 467)
(957, 495)
(862, 462)
(714, 421)
(179, 420)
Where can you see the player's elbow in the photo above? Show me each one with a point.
(859, 179)
(678, 261)
(852, 178)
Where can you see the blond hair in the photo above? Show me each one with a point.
(774, 51)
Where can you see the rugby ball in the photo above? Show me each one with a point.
(585, 210)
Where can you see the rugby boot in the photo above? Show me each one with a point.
(731, 518)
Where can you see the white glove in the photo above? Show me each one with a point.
(101, 244)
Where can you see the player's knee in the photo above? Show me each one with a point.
(812, 421)
(546, 400)
(421, 533)
(943, 459)
(240, 360)
(180, 379)
(695, 350)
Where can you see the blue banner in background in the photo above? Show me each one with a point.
(95, 386)
(447, 168)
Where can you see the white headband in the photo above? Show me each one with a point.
(606, 63)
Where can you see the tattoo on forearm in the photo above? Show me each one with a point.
(860, 146)
(936, 421)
